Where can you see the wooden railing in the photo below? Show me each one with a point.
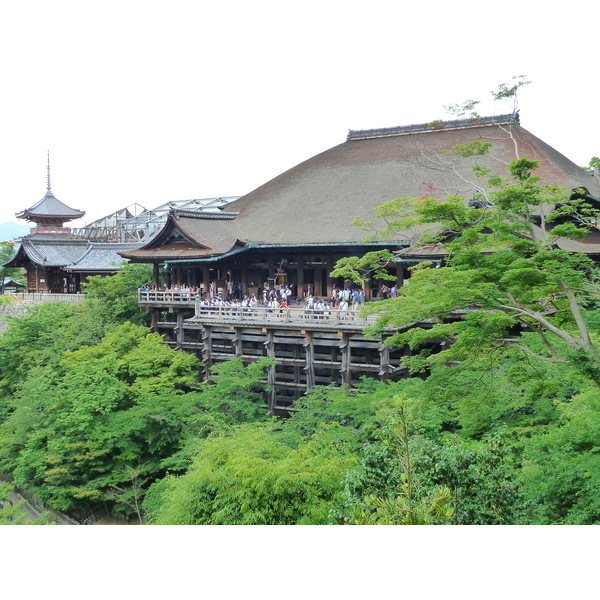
(170, 297)
(40, 298)
(297, 314)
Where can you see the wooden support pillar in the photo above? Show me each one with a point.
(318, 288)
(384, 361)
(207, 350)
(271, 274)
(244, 282)
(310, 359)
(206, 280)
(345, 370)
(399, 275)
(270, 348)
(154, 313)
(329, 279)
(179, 332)
(237, 342)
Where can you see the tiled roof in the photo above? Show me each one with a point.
(74, 254)
(50, 206)
(101, 257)
(54, 253)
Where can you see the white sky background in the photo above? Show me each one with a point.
(145, 102)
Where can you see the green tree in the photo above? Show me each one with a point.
(245, 476)
(594, 164)
(480, 475)
(78, 428)
(116, 296)
(404, 501)
(235, 393)
(361, 269)
(561, 466)
(504, 272)
(7, 251)
(41, 337)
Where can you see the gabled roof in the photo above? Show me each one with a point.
(68, 253)
(191, 235)
(101, 257)
(50, 206)
(48, 252)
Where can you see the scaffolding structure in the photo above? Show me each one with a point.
(136, 224)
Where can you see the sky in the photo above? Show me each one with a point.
(145, 102)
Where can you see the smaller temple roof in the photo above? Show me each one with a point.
(71, 254)
(101, 257)
(50, 252)
(179, 239)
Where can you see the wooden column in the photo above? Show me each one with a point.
(206, 279)
(155, 275)
(179, 332)
(270, 348)
(345, 369)
(329, 280)
(207, 350)
(271, 273)
(244, 282)
(384, 361)
(300, 278)
(154, 313)
(310, 359)
(399, 275)
(237, 342)
(318, 288)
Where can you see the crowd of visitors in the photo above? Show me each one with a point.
(276, 298)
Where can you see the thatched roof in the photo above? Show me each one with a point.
(316, 201)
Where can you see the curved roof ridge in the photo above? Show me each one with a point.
(361, 134)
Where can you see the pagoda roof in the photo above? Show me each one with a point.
(50, 206)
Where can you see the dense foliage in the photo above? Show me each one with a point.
(102, 416)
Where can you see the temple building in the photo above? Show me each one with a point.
(58, 259)
(292, 230)
(55, 259)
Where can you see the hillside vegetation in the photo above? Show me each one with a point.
(98, 415)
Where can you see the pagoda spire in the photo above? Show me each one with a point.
(48, 185)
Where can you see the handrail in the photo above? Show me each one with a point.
(301, 315)
(167, 297)
(41, 297)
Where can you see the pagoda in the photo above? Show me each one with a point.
(50, 214)
(57, 260)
